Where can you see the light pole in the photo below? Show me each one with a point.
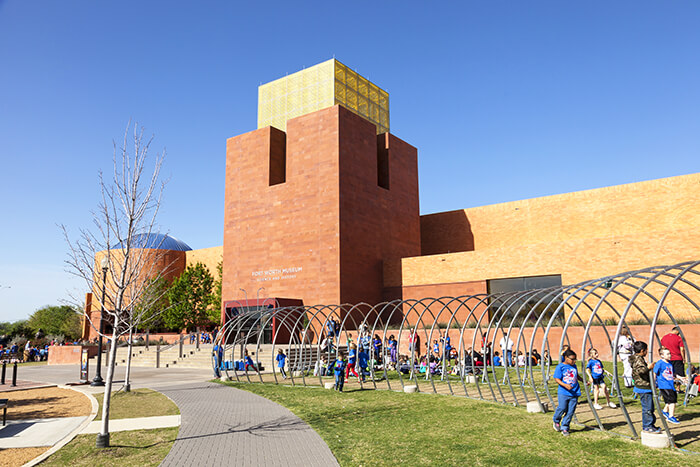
(97, 381)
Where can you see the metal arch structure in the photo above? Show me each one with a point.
(590, 314)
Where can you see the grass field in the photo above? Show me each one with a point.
(141, 447)
(364, 427)
(137, 403)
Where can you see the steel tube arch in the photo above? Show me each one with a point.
(589, 314)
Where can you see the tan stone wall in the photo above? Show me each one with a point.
(582, 236)
(654, 207)
(210, 257)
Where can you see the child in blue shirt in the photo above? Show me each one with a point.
(496, 359)
(281, 358)
(567, 377)
(363, 359)
(249, 362)
(392, 349)
(219, 357)
(352, 359)
(339, 370)
(665, 379)
(594, 370)
(448, 348)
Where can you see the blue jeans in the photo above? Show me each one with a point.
(648, 417)
(509, 358)
(339, 381)
(565, 410)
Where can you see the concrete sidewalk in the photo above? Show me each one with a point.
(37, 432)
(130, 424)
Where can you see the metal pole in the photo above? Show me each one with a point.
(14, 375)
(197, 337)
(182, 339)
(98, 381)
(148, 337)
(158, 355)
(4, 364)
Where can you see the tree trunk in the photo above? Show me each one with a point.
(127, 378)
(103, 436)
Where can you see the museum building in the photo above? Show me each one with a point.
(322, 207)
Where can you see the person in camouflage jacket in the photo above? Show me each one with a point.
(642, 386)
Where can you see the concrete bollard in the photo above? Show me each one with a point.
(536, 407)
(655, 440)
(329, 385)
(410, 389)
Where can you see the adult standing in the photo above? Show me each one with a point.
(624, 350)
(674, 343)
(507, 349)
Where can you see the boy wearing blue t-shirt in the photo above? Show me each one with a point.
(594, 370)
(339, 370)
(665, 379)
(281, 358)
(496, 359)
(363, 360)
(567, 377)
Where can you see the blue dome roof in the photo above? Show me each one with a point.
(157, 241)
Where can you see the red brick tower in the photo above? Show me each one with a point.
(312, 213)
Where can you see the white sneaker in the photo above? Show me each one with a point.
(597, 406)
(611, 405)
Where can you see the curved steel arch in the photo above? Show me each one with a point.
(576, 315)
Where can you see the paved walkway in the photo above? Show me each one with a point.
(226, 426)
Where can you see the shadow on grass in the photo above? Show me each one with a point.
(168, 441)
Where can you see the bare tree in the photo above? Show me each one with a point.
(122, 241)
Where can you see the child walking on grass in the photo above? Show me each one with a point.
(281, 358)
(352, 360)
(642, 386)
(567, 377)
(665, 379)
(594, 370)
(339, 369)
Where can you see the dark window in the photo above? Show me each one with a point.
(548, 305)
(383, 160)
(278, 156)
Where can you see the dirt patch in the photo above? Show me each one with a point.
(46, 403)
(19, 456)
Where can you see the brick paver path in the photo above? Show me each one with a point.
(226, 426)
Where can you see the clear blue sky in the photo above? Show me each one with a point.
(504, 101)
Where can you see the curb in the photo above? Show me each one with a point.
(69, 437)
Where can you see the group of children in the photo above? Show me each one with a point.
(567, 377)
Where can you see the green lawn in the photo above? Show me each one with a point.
(141, 447)
(137, 403)
(390, 428)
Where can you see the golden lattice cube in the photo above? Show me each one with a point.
(321, 86)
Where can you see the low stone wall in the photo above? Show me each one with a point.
(69, 354)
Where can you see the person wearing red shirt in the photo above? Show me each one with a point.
(674, 343)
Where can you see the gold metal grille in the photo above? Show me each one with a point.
(321, 86)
